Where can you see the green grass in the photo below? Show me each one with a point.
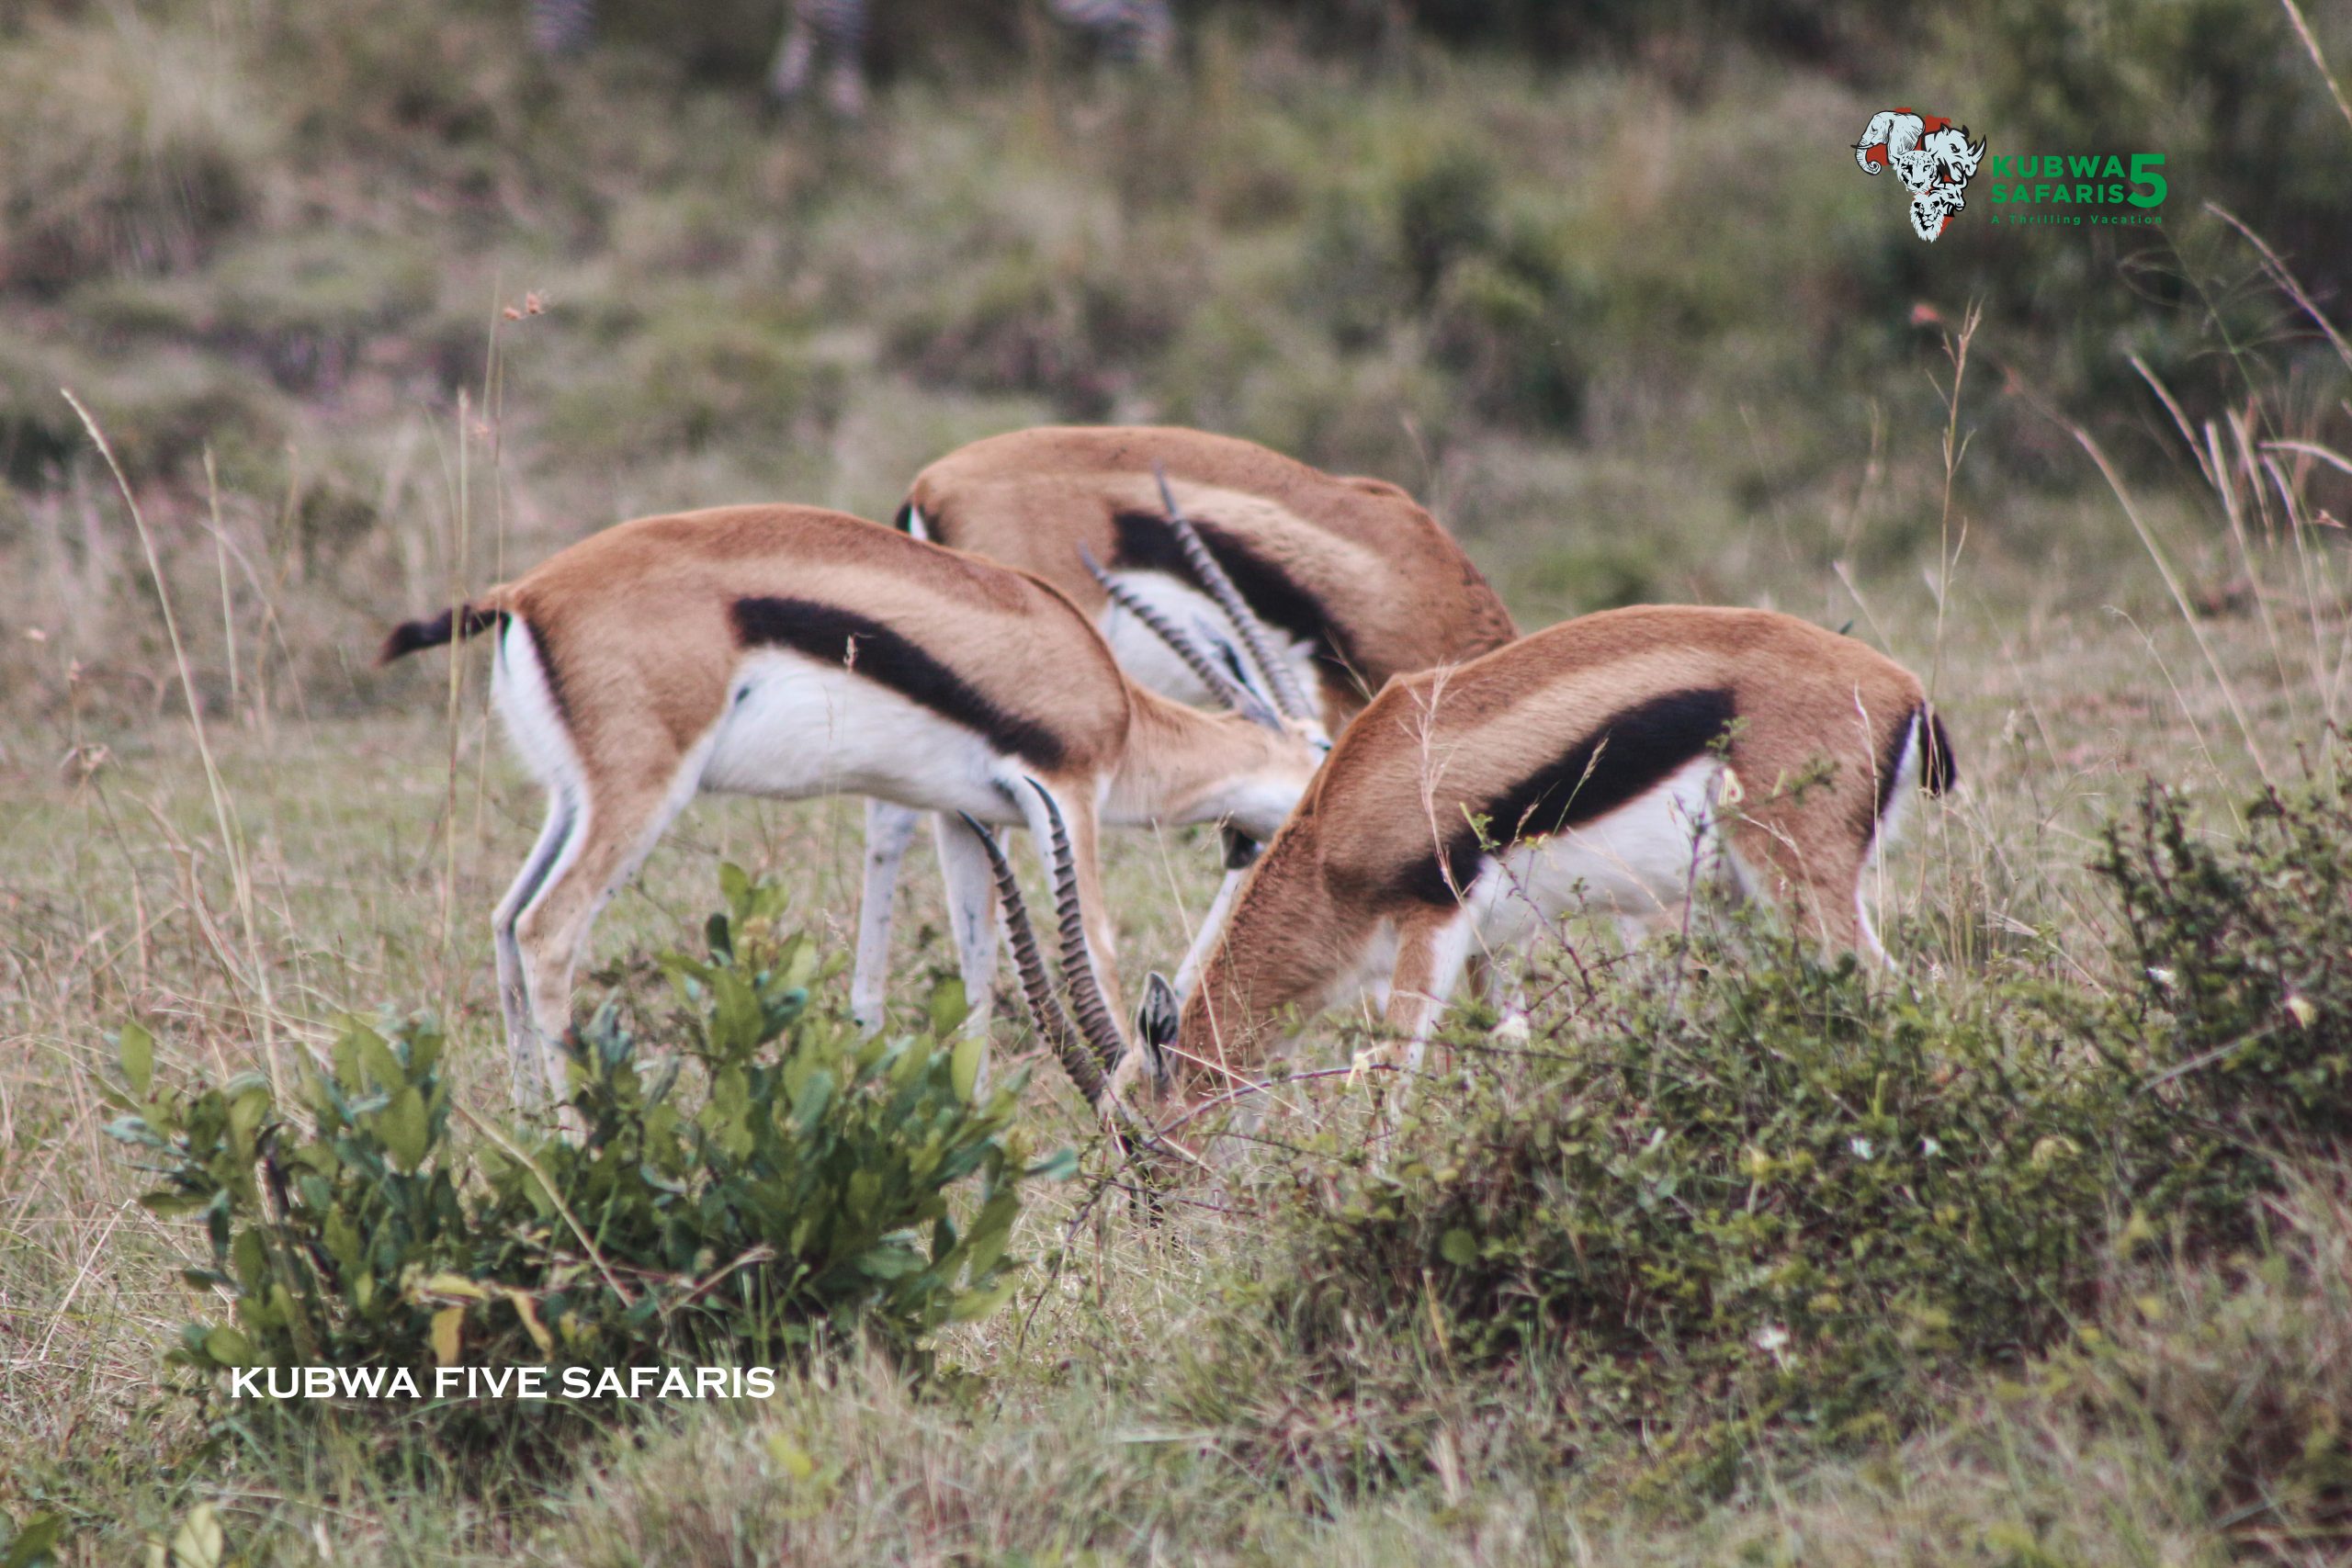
(287, 243)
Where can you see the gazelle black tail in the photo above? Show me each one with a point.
(449, 626)
(1937, 771)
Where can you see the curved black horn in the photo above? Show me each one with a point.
(1077, 965)
(1045, 1008)
(1280, 680)
(1235, 696)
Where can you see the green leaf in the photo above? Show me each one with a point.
(736, 888)
(340, 1238)
(963, 1067)
(251, 1259)
(526, 1309)
(889, 1263)
(425, 1043)
(1060, 1166)
(798, 965)
(198, 1543)
(947, 1006)
(402, 1124)
(33, 1543)
(448, 1327)
(980, 1304)
(378, 1058)
(164, 1206)
(229, 1347)
(737, 1016)
(1458, 1247)
(138, 1050)
(133, 1129)
(245, 1113)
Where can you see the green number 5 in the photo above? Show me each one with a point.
(2143, 173)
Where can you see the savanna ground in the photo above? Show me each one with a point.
(374, 305)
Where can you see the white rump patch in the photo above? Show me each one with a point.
(1913, 757)
(521, 692)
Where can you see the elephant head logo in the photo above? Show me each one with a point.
(1934, 162)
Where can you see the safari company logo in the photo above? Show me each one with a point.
(1934, 161)
(2077, 189)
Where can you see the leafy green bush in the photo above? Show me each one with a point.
(1743, 1195)
(728, 1202)
(1070, 323)
(1427, 247)
(701, 372)
(2241, 949)
(1752, 1178)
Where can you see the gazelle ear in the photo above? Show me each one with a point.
(1155, 1024)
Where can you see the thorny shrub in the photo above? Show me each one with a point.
(1738, 1196)
(2241, 953)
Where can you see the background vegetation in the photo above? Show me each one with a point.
(374, 303)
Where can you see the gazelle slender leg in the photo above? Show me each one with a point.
(1871, 949)
(789, 73)
(1432, 952)
(513, 989)
(618, 831)
(1819, 892)
(889, 827)
(971, 917)
(1502, 989)
(1212, 929)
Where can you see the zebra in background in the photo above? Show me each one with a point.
(833, 33)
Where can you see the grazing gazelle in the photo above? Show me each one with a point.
(1325, 586)
(1605, 765)
(793, 652)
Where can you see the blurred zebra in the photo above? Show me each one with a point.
(1137, 30)
(833, 33)
(562, 26)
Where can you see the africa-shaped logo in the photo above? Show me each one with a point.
(1934, 162)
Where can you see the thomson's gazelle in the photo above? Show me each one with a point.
(1322, 586)
(792, 652)
(1599, 765)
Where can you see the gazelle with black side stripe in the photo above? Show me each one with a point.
(1322, 587)
(1603, 765)
(793, 652)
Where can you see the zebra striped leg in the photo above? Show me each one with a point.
(833, 31)
(1136, 30)
(562, 26)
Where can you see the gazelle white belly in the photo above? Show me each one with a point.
(796, 728)
(1150, 663)
(1638, 860)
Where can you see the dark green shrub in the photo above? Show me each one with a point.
(1426, 251)
(1750, 1178)
(1511, 327)
(2240, 950)
(1073, 325)
(777, 1183)
(1742, 1196)
(160, 408)
(701, 374)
